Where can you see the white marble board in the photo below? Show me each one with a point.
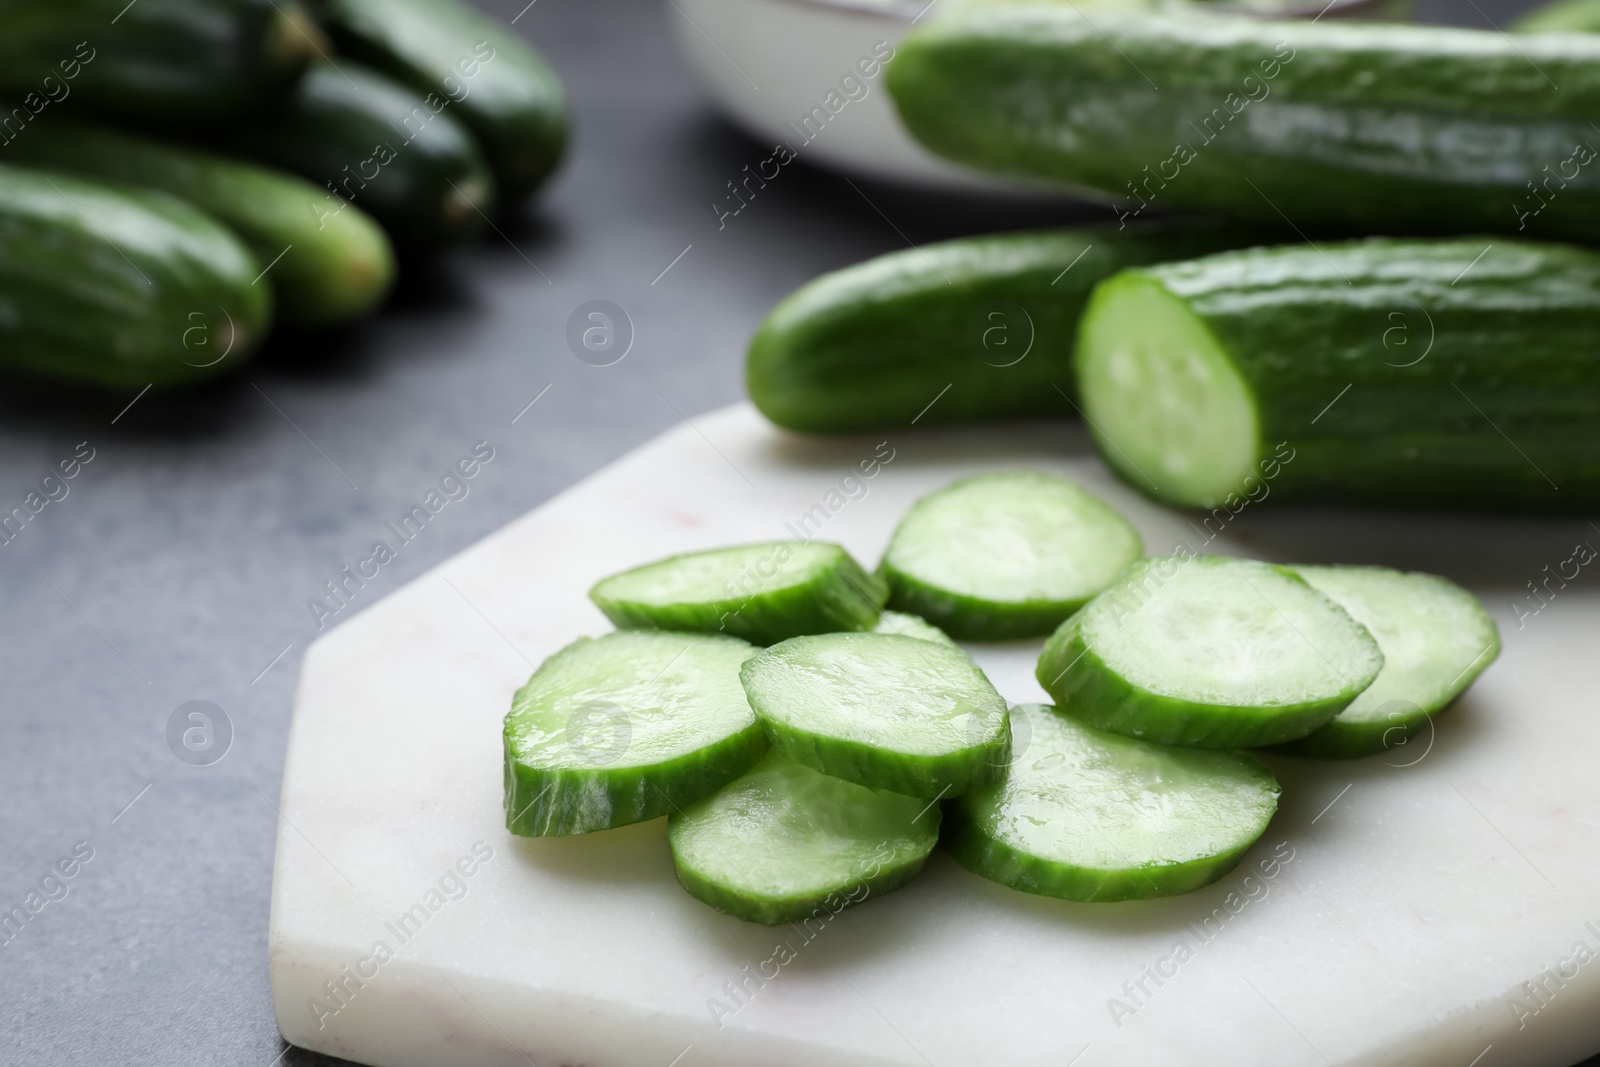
(1413, 896)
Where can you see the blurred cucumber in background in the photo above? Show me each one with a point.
(383, 148)
(295, 144)
(498, 87)
(1563, 16)
(120, 286)
(336, 263)
(170, 61)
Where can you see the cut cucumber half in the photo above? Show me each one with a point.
(1436, 638)
(1209, 652)
(763, 593)
(1089, 815)
(785, 843)
(626, 727)
(1001, 556)
(1166, 405)
(884, 711)
(905, 625)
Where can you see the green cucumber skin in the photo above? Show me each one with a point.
(1349, 124)
(968, 618)
(1562, 16)
(999, 862)
(845, 597)
(1511, 361)
(120, 287)
(331, 266)
(347, 129)
(163, 60)
(514, 102)
(1083, 686)
(795, 909)
(554, 803)
(870, 346)
(932, 777)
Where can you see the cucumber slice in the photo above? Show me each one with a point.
(785, 843)
(898, 622)
(626, 727)
(1209, 652)
(1091, 815)
(763, 593)
(1436, 638)
(1002, 556)
(884, 711)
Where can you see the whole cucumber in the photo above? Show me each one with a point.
(976, 328)
(1561, 16)
(168, 61)
(382, 147)
(120, 287)
(329, 262)
(1435, 373)
(498, 86)
(1365, 125)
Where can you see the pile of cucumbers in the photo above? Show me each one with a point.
(812, 730)
(1352, 262)
(178, 175)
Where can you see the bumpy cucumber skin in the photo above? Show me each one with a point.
(330, 261)
(1502, 411)
(999, 862)
(169, 61)
(922, 776)
(1086, 687)
(120, 287)
(843, 597)
(560, 802)
(1562, 16)
(1344, 739)
(775, 911)
(1405, 128)
(513, 101)
(346, 129)
(993, 318)
(967, 617)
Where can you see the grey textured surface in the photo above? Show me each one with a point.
(179, 564)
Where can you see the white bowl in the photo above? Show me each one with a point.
(771, 65)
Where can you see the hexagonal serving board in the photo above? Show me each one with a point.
(1436, 905)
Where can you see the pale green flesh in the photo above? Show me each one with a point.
(1435, 637)
(635, 698)
(1227, 632)
(721, 574)
(1092, 799)
(903, 694)
(1165, 403)
(785, 831)
(1015, 537)
(904, 624)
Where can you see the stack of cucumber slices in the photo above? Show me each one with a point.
(809, 746)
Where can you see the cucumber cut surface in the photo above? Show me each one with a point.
(626, 727)
(1436, 639)
(763, 592)
(1165, 405)
(785, 843)
(884, 711)
(1084, 814)
(1209, 652)
(907, 625)
(1002, 556)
